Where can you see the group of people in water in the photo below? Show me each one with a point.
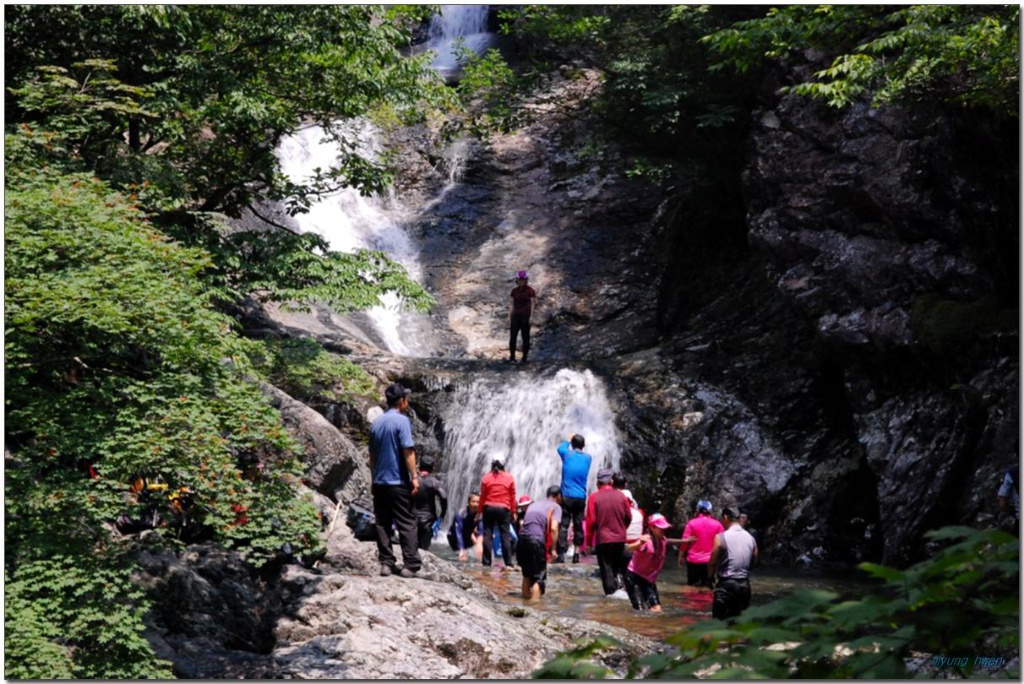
(630, 547)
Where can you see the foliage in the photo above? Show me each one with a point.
(76, 618)
(189, 126)
(492, 93)
(117, 365)
(659, 101)
(966, 54)
(288, 267)
(304, 369)
(964, 599)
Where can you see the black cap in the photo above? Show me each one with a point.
(427, 462)
(395, 391)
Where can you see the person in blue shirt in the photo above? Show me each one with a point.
(395, 483)
(467, 530)
(575, 473)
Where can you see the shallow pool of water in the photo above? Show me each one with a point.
(575, 591)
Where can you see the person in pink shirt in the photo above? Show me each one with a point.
(648, 558)
(698, 540)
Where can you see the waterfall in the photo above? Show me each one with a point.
(521, 419)
(456, 25)
(349, 220)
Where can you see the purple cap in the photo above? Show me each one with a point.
(521, 275)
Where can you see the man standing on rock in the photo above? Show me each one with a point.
(430, 497)
(519, 314)
(608, 517)
(395, 482)
(539, 530)
(733, 553)
(575, 471)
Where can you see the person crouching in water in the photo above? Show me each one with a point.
(648, 558)
(537, 541)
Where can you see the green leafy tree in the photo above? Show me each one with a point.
(966, 54)
(963, 600)
(117, 366)
(188, 124)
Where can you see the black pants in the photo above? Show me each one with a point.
(392, 505)
(697, 575)
(642, 594)
(611, 561)
(732, 596)
(502, 517)
(573, 511)
(425, 533)
(519, 323)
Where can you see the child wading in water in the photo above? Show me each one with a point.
(648, 558)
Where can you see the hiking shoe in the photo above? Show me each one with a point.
(618, 594)
(511, 360)
(407, 573)
(575, 558)
(508, 568)
(559, 559)
(386, 570)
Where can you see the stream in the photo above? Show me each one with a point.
(575, 591)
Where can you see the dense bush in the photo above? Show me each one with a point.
(118, 367)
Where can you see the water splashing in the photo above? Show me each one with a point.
(522, 419)
(456, 25)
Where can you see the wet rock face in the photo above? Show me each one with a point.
(881, 230)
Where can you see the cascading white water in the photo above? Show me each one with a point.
(521, 419)
(349, 220)
(456, 25)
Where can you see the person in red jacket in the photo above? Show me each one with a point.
(608, 517)
(497, 506)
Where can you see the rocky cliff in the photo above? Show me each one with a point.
(832, 344)
(839, 354)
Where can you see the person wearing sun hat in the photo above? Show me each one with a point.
(519, 313)
(695, 550)
(648, 558)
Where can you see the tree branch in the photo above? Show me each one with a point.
(271, 222)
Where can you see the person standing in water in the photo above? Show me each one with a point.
(698, 538)
(608, 518)
(497, 506)
(648, 558)
(536, 539)
(732, 556)
(575, 472)
(519, 313)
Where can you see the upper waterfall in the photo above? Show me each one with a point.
(454, 26)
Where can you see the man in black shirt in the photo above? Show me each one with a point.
(428, 499)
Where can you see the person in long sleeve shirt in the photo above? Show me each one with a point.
(608, 518)
(497, 506)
